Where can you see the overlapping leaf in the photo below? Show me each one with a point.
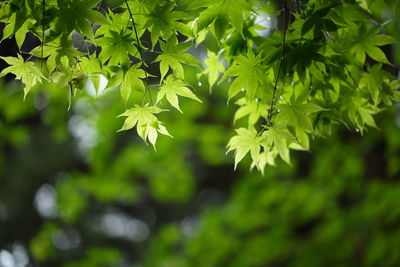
(245, 141)
(223, 10)
(116, 47)
(77, 15)
(254, 109)
(297, 112)
(322, 62)
(132, 81)
(366, 41)
(172, 88)
(173, 56)
(27, 72)
(213, 69)
(147, 124)
(162, 20)
(279, 137)
(249, 73)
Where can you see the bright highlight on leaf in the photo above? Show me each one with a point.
(222, 11)
(116, 47)
(173, 57)
(162, 21)
(132, 81)
(250, 74)
(279, 137)
(172, 88)
(297, 112)
(27, 72)
(246, 140)
(147, 124)
(214, 68)
(252, 108)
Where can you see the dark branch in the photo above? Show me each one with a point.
(139, 47)
(270, 112)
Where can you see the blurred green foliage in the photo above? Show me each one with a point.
(336, 206)
(339, 214)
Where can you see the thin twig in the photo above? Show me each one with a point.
(352, 78)
(279, 66)
(139, 47)
(43, 36)
(91, 26)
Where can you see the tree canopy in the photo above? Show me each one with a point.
(323, 65)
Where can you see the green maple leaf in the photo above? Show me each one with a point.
(116, 47)
(27, 72)
(55, 50)
(373, 82)
(366, 41)
(77, 15)
(316, 19)
(303, 141)
(19, 15)
(253, 109)
(19, 33)
(245, 141)
(91, 67)
(264, 158)
(393, 94)
(163, 21)
(68, 74)
(120, 21)
(173, 87)
(221, 10)
(147, 124)
(361, 112)
(132, 81)
(173, 56)
(296, 112)
(279, 137)
(250, 74)
(214, 68)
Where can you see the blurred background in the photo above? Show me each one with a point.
(74, 192)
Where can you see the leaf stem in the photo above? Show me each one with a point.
(279, 66)
(352, 78)
(43, 36)
(139, 47)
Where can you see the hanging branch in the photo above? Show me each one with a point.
(43, 36)
(279, 66)
(139, 47)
